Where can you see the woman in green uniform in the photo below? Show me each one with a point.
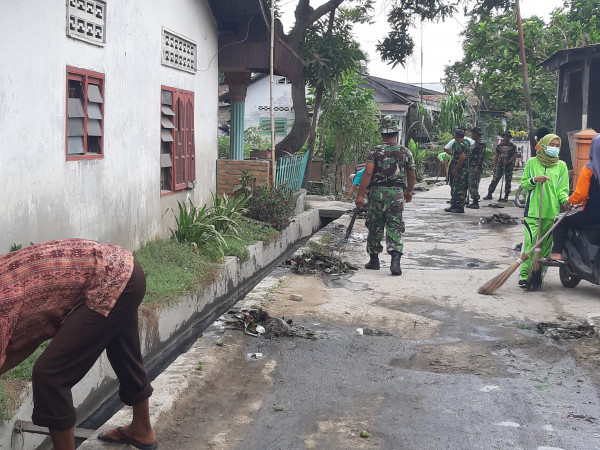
(544, 171)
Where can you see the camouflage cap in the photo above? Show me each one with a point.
(388, 125)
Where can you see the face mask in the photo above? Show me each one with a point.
(552, 152)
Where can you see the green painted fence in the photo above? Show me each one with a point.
(289, 170)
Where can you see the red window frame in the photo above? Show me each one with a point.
(86, 77)
(183, 147)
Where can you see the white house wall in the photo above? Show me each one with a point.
(116, 198)
(257, 99)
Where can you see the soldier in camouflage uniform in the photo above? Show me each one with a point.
(390, 173)
(506, 155)
(476, 158)
(460, 173)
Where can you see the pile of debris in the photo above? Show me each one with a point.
(258, 323)
(499, 219)
(566, 330)
(316, 262)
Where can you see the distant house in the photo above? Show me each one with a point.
(109, 117)
(578, 93)
(400, 100)
(257, 112)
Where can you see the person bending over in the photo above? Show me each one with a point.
(83, 295)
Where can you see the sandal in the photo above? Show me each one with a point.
(124, 439)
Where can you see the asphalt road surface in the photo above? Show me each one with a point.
(420, 361)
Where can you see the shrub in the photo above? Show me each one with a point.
(272, 205)
(226, 212)
(224, 146)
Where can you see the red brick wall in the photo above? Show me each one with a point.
(229, 171)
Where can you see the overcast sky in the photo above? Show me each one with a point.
(441, 41)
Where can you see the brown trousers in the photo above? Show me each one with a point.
(77, 345)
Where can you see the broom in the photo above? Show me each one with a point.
(349, 230)
(495, 283)
(534, 279)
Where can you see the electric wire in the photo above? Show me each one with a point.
(227, 45)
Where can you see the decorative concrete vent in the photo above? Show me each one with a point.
(275, 108)
(86, 20)
(178, 52)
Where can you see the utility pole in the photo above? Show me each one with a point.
(525, 77)
(271, 78)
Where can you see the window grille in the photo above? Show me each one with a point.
(178, 52)
(86, 20)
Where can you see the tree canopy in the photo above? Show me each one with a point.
(394, 48)
(490, 67)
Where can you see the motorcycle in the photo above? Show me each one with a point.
(520, 197)
(581, 257)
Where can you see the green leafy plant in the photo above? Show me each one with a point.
(247, 181)
(272, 205)
(196, 226)
(255, 139)
(226, 212)
(224, 143)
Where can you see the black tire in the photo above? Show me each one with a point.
(520, 197)
(567, 279)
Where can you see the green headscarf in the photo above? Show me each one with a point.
(541, 156)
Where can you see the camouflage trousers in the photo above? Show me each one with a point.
(501, 170)
(459, 189)
(385, 212)
(474, 179)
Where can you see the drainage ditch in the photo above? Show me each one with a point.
(182, 342)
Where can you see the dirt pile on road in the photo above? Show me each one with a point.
(258, 323)
(317, 262)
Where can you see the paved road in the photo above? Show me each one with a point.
(419, 361)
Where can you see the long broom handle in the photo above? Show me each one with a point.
(520, 258)
(540, 217)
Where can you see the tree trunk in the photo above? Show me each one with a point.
(296, 138)
(312, 137)
(525, 76)
(305, 16)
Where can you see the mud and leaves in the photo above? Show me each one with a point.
(259, 323)
(317, 262)
(566, 330)
(499, 219)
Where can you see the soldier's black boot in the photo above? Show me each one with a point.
(373, 263)
(395, 265)
(474, 205)
(488, 197)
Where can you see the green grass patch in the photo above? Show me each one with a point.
(8, 401)
(8, 398)
(173, 269)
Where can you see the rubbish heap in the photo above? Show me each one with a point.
(499, 219)
(566, 330)
(258, 323)
(316, 262)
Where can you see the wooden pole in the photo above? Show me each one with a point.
(271, 78)
(525, 77)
